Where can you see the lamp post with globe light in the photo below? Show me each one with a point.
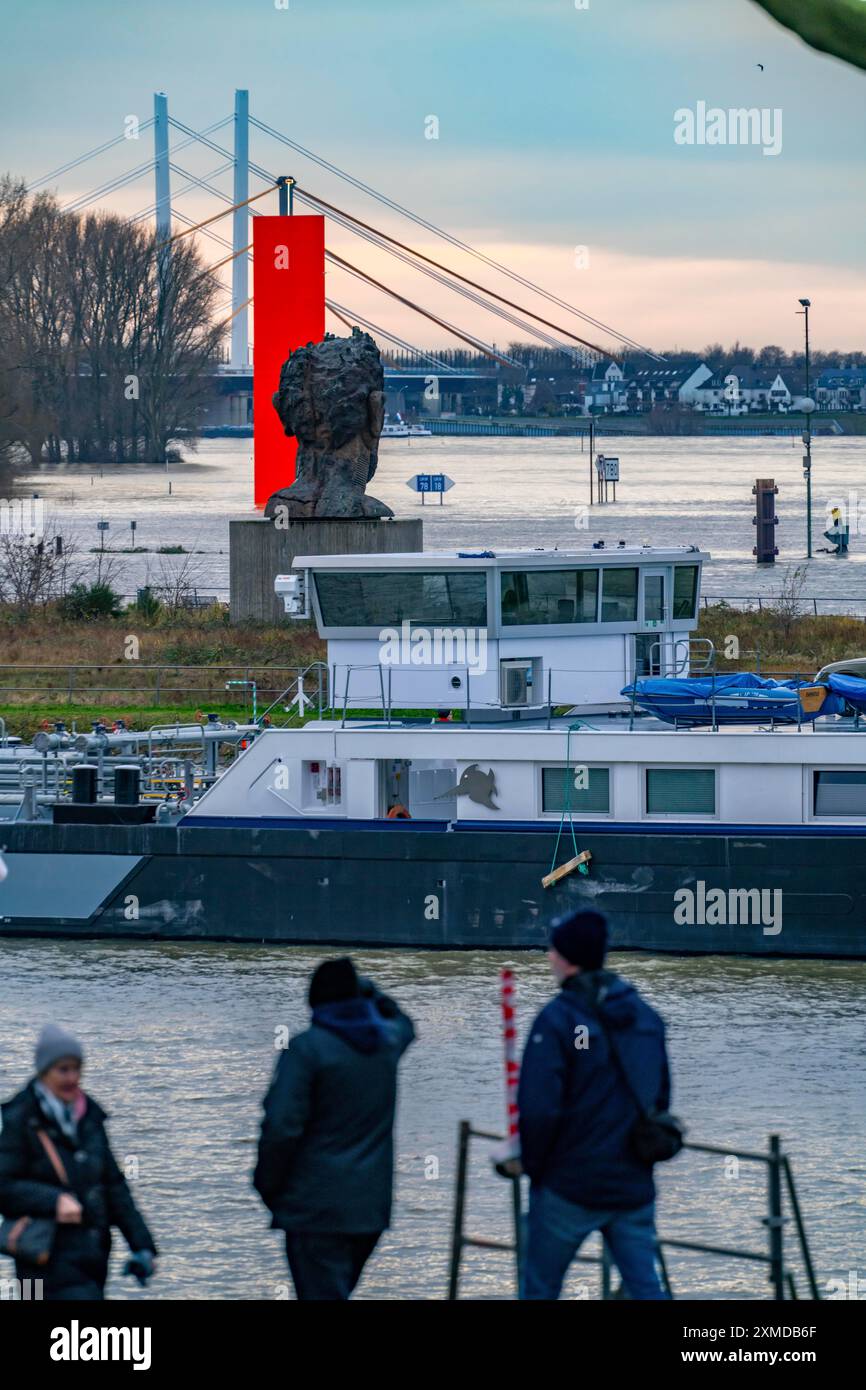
(807, 405)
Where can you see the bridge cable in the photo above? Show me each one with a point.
(339, 310)
(83, 158)
(522, 324)
(197, 226)
(371, 237)
(320, 202)
(447, 236)
(443, 323)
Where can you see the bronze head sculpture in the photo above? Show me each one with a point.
(331, 398)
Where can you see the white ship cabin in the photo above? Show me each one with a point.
(502, 635)
(521, 635)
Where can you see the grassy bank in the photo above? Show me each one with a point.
(203, 638)
(786, 640)
(200, 651)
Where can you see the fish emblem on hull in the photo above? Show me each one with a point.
(477, 785)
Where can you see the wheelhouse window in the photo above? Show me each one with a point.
(542, 597)
(685, 590)
(684, 791)
(619, 595)
(386, 598)
(584, 790)
(838, 793)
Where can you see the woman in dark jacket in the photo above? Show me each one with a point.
(95, 1196)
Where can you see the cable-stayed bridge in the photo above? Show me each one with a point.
(552, 323)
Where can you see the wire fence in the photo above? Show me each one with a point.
(804, 605)
(144, 685)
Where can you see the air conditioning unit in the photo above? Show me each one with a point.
(516, 682)
(292, 589)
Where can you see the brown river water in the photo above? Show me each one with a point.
(181, 1043)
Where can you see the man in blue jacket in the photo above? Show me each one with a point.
(325, 1162)
(577, 1113)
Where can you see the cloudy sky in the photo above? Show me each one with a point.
(555, 132)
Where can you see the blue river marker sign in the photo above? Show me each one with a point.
(430, 482)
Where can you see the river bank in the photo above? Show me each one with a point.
(79, 670)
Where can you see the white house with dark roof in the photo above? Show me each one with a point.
(742, 388)
(841, 388)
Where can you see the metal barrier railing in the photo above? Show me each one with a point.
(296, 693)
(770, 602)
(780, 1178)
(158, 683)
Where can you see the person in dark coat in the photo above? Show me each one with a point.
(577, 1113)
(96, 1196)
(325, 1161)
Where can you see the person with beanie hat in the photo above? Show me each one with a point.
(56, 1162)
(594, 1055)
(325, 1165)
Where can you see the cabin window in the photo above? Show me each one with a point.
(619, 595)
(584, 790)
(684, 791)
(685, 590)
(543, 597)
(839, 793)
(386, 598)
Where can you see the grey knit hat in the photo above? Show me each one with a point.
(53, 1044)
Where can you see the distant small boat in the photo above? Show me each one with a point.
(420, 432)
(395, 429)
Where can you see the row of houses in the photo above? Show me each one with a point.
(620, 388)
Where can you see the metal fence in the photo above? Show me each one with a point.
(775, 1258)
(145, 685)
(804, 606)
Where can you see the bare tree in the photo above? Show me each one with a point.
(177, 583)
(788, 603)
(35, 567)
(106, 339)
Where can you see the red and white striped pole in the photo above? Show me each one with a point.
(512, 1066)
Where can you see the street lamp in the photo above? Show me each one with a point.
(807, 406)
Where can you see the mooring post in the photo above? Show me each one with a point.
(775, 1219)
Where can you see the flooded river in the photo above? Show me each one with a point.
(181, 1043)
(507, 493)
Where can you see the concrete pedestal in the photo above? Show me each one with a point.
(259, 551)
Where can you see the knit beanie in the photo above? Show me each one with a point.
(54, 1043)
(333, 981)
(581, 938)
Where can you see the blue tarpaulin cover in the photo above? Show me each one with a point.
(851, 688)
(740, 698)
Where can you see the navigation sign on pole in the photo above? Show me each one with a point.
(608, 472)
(430, 482)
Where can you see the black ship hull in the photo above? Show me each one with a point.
(756, 890)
